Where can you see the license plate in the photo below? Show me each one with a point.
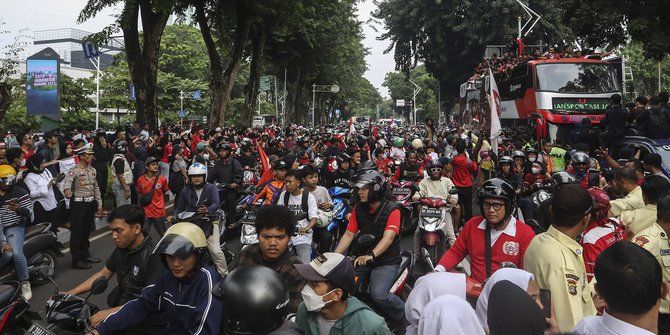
(38, 329)
(431, 212)
(400, 191)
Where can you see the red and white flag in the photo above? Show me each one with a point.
(494, 107)
(352, 128)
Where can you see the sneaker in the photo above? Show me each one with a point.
(26, 292)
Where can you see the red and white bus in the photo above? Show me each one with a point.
(555, 93)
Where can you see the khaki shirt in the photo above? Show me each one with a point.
(632, 200)
(655, 240)
(558, 265)
(81, 181)
(638, 219)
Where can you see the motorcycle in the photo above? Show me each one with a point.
(433, 224)
(402, 193)
(541, 193)
(15, 314)
(400, 287)
(338, 223)
(248, 235)
(204, 221)
(473, 288)
(41, 247)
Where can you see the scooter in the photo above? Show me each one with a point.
(207, 221)
(339, 222)
(15, 314)
(248, 235)
(433, 225)
(402, 193)
(41, 248)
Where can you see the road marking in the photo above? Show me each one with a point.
(103, 234)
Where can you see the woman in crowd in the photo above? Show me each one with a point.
(40, 183)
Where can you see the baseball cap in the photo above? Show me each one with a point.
(86, 149)
(150, 159)
(571, 201)
(330, 266)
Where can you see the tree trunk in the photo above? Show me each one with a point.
(258, 46)
(5, 98)
(293, 92)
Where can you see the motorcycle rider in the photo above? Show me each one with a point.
(343, 175)
(398, 150)
(436, 186)
(134, 265)
(493, 241)
(579, 168)
(184, 293)
(15, 211)
(409, 170)
(376, 215)
(227, 170)
(247, 157)
(532, 156)
(543, 215)
(310, 181)
(300, 201)
(519, 162)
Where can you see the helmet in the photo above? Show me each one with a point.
(197, 169)
(518, 154)
(224, 146)
(531, 150)
(259, 298)
(580, 157)
(498, 189)
(601, 203)
(367, 165)
(417, 143)
(505, 160)
(373, 180)
(342, 157)
(7, 175)
(120, 146)
(433, 164)
(280, 164)
(398, 142)
(561, 177)
(382, 142)
(181, 240)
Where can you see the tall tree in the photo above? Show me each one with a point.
(141, 52)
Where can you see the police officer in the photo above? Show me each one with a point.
(81, 187)
(556, 259)
(123, 174)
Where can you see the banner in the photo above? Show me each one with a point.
(494, 107)
(42, 79)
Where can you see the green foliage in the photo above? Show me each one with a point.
(15, 118)
(400, 88)
(645, 71)
(76, 104)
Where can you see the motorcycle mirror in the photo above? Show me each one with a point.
(99, 285)
(366, 241)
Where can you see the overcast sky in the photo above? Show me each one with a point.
(34, 15)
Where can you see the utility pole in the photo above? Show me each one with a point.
(417, 89)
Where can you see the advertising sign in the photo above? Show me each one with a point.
(42, 79)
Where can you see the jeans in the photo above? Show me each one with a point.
(304, 252)
(381, 279)
(164, 170)
(120, 195)
(465, 199)
(16, 237)
(159, 223)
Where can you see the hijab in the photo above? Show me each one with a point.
(512, 311)
(449, 314)
(428, 288)
(518, 277)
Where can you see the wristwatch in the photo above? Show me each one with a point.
(372, 254)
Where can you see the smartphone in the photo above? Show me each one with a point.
(545, 299)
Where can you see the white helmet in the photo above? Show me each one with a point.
(417, 143)
(382, 142)
(197, 169)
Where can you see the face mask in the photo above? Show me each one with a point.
(535, 170)
(313, 301)
(205, 156)
(532, 159)
(23, 162)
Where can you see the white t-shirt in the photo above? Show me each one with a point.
(295, 205)
(321, 195)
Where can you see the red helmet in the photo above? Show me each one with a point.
(601, 203)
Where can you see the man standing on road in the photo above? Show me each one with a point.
(134, 265)
(155, 210)
(123, 175)
(463, 168)
(616, 118)
(625, 183)
(81, 187)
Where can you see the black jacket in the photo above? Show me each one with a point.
(227, 171)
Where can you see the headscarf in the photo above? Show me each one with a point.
(512, 311)
(518, 277)
(449, 314)
(428, 288)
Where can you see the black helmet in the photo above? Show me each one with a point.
(373, 180)
(518, 154)
(433, 164)
(257, 298)
(224, 146)
(505, 160)
(498, 189)
(120, 146)
(365, 166)
(531, 150)
(580, 157)
(561, 177)
(342, 157)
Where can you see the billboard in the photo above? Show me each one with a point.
(42, 84)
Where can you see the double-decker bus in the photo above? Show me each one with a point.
(555, 93)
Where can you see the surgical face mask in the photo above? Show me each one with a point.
(535, 170)
(313, 301)
(532, 159)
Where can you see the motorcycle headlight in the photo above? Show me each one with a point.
(430, 226)
(248, 229)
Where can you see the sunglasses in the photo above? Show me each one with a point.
(436, 169)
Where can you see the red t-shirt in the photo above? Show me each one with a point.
(393, 222)
(156, 209)
(462, 171)
(597, 237)
(471, 242)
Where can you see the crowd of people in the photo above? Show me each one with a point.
(588, 257)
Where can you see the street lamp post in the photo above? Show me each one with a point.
(321, 89)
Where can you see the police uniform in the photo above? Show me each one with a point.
(655, 240)
(81, 181)
(558, 265)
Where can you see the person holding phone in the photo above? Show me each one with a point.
(15, 211)
(40, 183)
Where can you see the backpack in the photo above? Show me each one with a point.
(303, 203)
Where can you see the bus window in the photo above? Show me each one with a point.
(577, 78)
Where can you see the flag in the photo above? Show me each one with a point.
(267, 173)
(191, 126)
(494, 106)
(352, 129)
